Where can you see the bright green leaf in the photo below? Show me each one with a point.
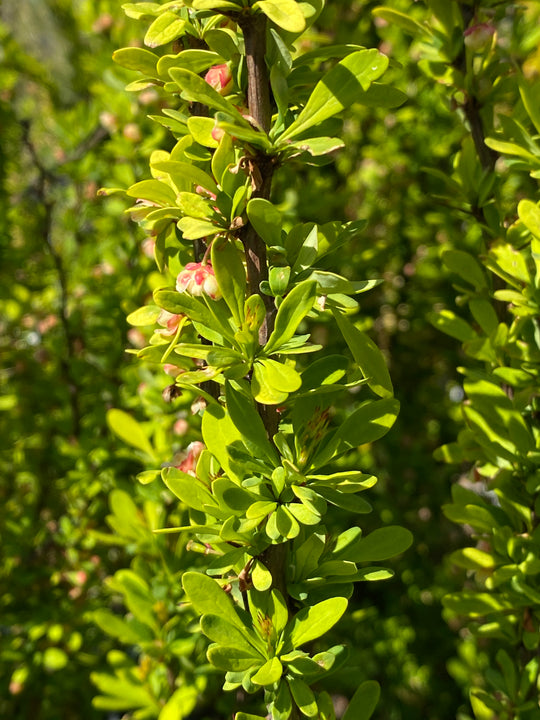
(129, 430)
(338, 89)
(164, 29)
(312, 622)
(367, 355)
(139, 59)
(290, 314)
(363, 702)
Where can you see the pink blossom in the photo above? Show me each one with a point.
(189, 464)
(220, 78)
(181, 426)
(477, 36)
(217, 133)
(198, 279)
(148, 246)
(172, 370)
(169, 321)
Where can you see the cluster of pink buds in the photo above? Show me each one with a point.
(220, 78)
(189, 464)
(198, 279)
(477, 36)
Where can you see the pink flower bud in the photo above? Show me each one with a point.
(171, 370)
(198, 279)
(220, 78)
(132, 132)
(148, 245)
(189, 464)
(217, 133)
(181, 426)
(477, 36)
(169, 321)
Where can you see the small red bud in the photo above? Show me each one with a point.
(220, 78)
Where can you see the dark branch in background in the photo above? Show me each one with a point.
(486, 155)
(46, 179)
(472, 107)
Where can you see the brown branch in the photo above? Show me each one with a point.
(261, 168)
(486, 155)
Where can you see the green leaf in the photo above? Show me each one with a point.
(134, 58)
(312, 622)
(224, 633)
(54, 659)
(153, 190)
(196, 89)
(363, 702)
(208, 598)
(273, 381)
(194, 205)
(369, 422)
(466, 266)
(146, 315)
(122, 694)
(290, 314)
(118, 628)
(504, 257)
(338, 89)
(137, 596)
(269, 673)
(248, 422)
(510, 148)
(129, 430)
(250, 135)
(303, 696)
(279, 277)
(218, 432)
(529, 214)
(164, 29)
(351, 503)
(472, 559)
(405, 22)
(484, 313)
(187, 488)
(194, 229)
(530, 94)
(266, 219)
(285, 14)
(214, 4)
(498, 410)
(302, 513)
(318, 146)
(181, 704)
(195, 60)
(448, 322)
(261, 578)
(477, 604)
(231, 276)
(381, 544)
(180, 172)
(184, 304)
(231, 658)
(367, 356)
(140, 10)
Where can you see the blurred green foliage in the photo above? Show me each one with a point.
(75, 523)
